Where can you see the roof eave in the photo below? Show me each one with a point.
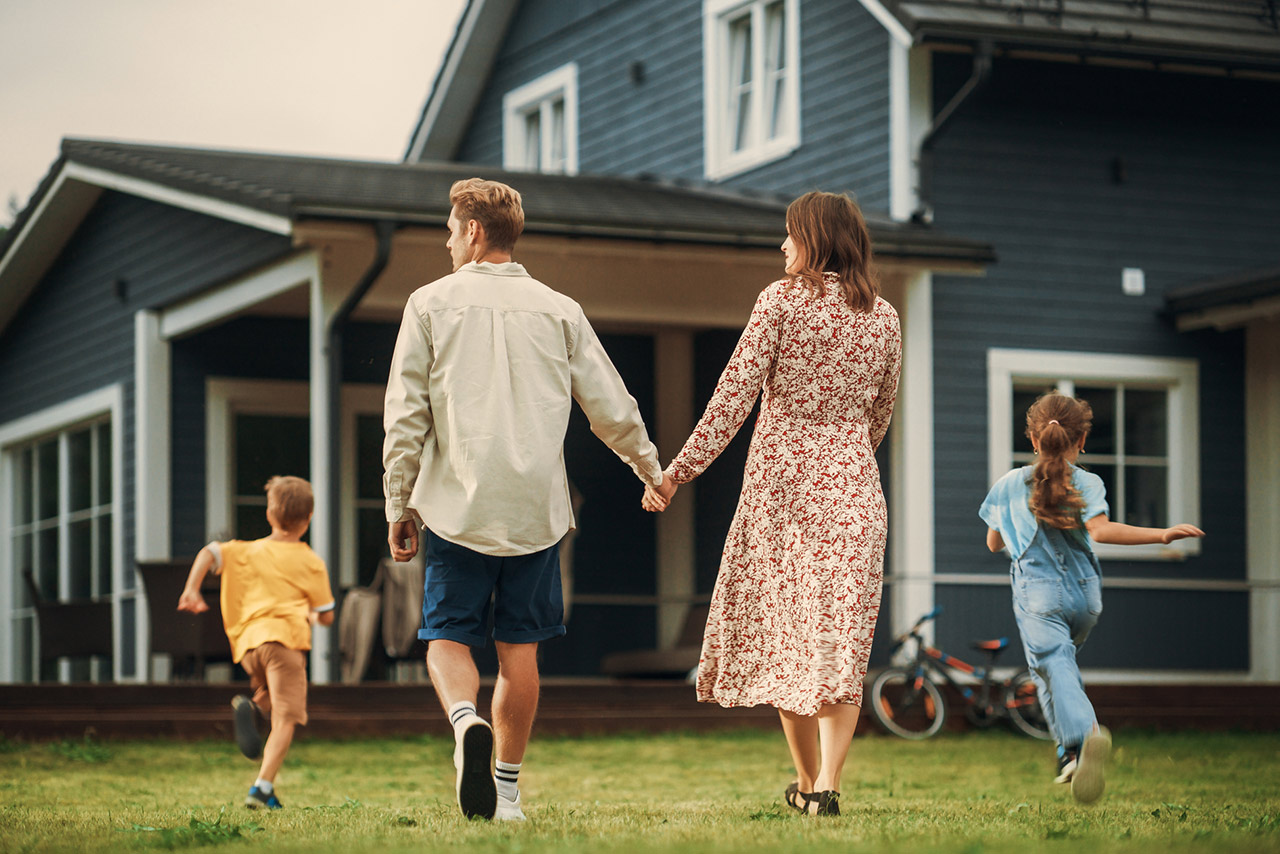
(460, 80)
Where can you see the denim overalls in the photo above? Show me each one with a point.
(1057, 597)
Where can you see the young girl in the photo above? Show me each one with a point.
(1046, 515)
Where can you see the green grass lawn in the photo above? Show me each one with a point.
(973, 793)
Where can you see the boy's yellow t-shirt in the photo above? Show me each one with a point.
(268, 589)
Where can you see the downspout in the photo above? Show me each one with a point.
(385, 230)
(977, 79)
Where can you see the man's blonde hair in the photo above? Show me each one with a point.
(494, 205)
(290, 500)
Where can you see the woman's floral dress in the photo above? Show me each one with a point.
(796, 600)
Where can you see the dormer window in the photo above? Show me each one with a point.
(540, 124)
(751, 83)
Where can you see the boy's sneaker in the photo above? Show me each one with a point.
(509, 810)
(1090, 775)
(1067, 761)
(258, 799)
(473, 758)
(245, 716)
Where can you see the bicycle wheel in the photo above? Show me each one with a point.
(1023, 703)
(907, 703)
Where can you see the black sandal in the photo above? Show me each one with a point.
(792, 796)
(828, 802)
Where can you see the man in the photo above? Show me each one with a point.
(486, 365)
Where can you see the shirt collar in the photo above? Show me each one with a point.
(509, 268)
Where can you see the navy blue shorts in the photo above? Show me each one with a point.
(527, 603)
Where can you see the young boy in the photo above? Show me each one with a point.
(273, 591)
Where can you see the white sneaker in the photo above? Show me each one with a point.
(1090, 777)
(509, 810)
(473, 759)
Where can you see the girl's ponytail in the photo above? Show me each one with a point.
(1057, 423)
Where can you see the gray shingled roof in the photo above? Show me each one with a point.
(309, 188)
(1235, 289)
(1235, 32)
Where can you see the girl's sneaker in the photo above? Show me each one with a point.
(1090, 777)
(1067, 761)
(258, 799)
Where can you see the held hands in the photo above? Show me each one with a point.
(193, 602)
(1178, 532)
(657, 498)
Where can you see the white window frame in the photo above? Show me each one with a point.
(720, 162)
(539, 95)
(1180, 377)
(106, 404)
(228, 397)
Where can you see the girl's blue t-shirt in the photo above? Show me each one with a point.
(1007, 507)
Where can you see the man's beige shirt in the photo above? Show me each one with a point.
(486, 366)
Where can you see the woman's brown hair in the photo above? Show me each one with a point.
(832, 237)
(1057, 423)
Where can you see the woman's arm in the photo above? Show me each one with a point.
(736, 392)
(1103, 530)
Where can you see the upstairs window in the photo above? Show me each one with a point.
(751, 83)
(540, 124)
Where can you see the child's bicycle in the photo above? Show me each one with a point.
(906, 700)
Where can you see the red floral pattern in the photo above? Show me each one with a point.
(796, 600)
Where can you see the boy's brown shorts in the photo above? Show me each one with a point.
(278, 676)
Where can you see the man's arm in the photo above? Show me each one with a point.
(611, 410)
(408, 423)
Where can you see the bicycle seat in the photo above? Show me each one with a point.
(991, 645)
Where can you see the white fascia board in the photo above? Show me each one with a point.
(461, 80)
(42, 237)
(179, 198)
(213, 306)
(896, 30)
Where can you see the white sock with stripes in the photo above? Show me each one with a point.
(506, 775)
(459, 712)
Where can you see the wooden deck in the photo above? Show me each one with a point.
(201, 710)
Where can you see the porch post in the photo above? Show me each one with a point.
(325, 299)
(911, 525)
(673, 369)
(1262, 495)
(152, 541)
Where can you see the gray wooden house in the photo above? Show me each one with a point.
(177, 325)
(1119, 156)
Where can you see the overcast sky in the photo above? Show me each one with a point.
(330, 77)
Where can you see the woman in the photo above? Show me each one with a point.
(796, 600)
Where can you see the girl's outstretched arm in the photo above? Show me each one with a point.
(995, 542)
(1103, 530)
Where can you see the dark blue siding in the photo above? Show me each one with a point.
(74, 335)
(656, 126)
(1139, 629)
(1030, 167)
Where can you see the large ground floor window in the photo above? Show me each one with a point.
(60, 523)
(1145, 438)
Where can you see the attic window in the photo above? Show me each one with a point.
(540, 124)
(751, 83)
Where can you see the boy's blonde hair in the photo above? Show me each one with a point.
(290, 501)
(494, 205)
